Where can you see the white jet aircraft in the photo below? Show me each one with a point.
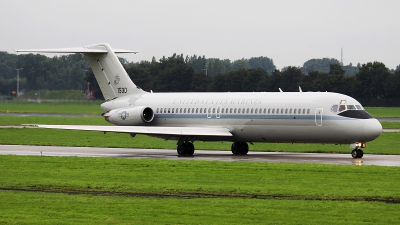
(240, 118)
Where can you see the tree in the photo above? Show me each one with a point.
(174, 75)
(371, 80)
(240, 64)
(336, 69)
(262, 62)
(322, 65)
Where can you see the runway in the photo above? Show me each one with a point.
(226, 156)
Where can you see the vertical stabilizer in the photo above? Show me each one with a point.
(111, 76)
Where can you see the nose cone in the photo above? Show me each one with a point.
(372, 129)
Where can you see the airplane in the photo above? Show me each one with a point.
(240, 118)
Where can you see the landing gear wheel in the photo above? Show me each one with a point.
(185, 149)
(190, 148)
(181, 149)
(245, 148)
(360, 153)
(240, 148)
(357, 153)
(235, 148)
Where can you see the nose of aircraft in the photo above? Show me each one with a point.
(372, 129)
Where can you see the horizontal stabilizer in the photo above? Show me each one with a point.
(88, 49)
(186, 131)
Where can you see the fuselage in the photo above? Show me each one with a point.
(296, 117)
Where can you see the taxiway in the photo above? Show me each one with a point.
(273, 157)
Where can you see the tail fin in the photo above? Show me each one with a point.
(111, 76)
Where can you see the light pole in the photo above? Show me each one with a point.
(18, 80)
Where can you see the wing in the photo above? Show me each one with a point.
(184, 131)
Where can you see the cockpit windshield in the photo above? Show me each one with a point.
(341, 108)
(351, 111)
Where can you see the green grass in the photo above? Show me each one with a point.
(45, 208)
(112, 190)
(55, 94)
(384, 111)
(386, 144)
(199, 178)
(60, 107)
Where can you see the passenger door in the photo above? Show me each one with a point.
(318, 116)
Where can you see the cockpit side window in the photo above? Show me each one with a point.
(359, 107)
(342, 108)
(334, 108)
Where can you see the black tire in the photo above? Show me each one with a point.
(190, 148)
(244, 148)
(360, 153)
(235, 148)
(354, 153)
(181, 149)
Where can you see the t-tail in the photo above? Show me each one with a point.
(111, 76)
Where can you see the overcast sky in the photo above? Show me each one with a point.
(290, 32)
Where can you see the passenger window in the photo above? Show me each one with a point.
(157, 110)
(308, 111)
(286, 111)
(173, 110)
(290, 111)
(234, 110)
(281, 111)
(304, 111)
(256, 111)
(247, 111)
(201, 110)
(294, 111)
(222, 111)
(244, 110)
(269, 110)
(230, 110)
(197, 110)
(273, 111)
(213, 110)
(251, 111)
(184, 110)
(342, 108)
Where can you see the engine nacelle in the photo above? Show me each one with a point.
(133, 116)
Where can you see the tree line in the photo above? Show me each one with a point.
(198, 74)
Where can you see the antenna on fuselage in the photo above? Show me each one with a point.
(300, 89)
(280, 90)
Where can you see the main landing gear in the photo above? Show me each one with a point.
(186, 148)
(357, 153)
(240, 148)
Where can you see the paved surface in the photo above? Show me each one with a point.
(276, 157)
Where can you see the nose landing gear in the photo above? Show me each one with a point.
(357, 153)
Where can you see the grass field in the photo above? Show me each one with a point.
(390, 112)
(61, 107)
(108, 190)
